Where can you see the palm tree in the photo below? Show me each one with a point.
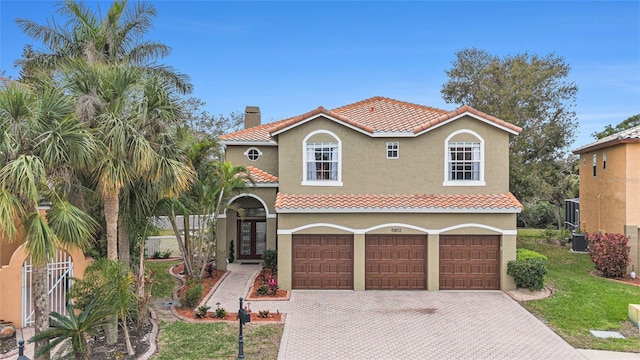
(110, 62)
(114, 39)
(41, 143)
(73, 330)
(216, 181)
(131, 113)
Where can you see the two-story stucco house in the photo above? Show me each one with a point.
(378, 194)
(609, 186)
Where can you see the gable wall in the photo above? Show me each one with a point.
(419, 169)
(268, 161)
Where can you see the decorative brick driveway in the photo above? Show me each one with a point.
(415, 325)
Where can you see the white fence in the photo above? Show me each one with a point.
(60, 272)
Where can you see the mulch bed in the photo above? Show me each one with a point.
(231, 316)
(626, 279)
(207, 282)
(8, 344)
(258, 282)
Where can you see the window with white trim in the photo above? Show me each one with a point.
(604, 159)
(253, 154)
(464, 161)
(594, 162)
(393, 150)
(322, 161)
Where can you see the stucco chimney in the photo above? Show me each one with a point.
(251, 116)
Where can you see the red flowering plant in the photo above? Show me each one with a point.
(609, 252)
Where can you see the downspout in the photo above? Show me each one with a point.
(599, 227)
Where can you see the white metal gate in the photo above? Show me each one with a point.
(60, 273)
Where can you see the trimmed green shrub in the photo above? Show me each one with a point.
(192, 295)
(528, 270)
(270, 261)
(525, 254)
(609, 252)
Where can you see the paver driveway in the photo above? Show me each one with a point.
(415, 325)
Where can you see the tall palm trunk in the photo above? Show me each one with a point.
(111, 209)
(124, 244)
(41, 306)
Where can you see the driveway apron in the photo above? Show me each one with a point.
(415, 325)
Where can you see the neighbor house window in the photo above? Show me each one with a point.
(464, 159)
(584, 160)
(393, 150)
(594, 163)
(604, 159)
(253, 154)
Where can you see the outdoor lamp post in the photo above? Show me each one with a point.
(21, 351)
(243, 317)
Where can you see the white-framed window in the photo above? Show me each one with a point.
(594, 162)
(584, 160)
(393, 150)
(604, 159)
(464, 159)
(253, 153)
(322, 159)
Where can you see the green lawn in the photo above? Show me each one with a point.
(582, 302)
(189, 341)
(163, 284)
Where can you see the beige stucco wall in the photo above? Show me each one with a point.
(11, 281)
(633, 184)
(268, 161)
(419, 169)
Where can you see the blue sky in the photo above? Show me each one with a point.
(291, 57)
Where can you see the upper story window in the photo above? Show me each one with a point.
(604, 159)
(322, 159)
(253, 154)
(393, 150)
(594, 162)
(464, 159)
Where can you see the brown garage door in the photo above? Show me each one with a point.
(395, 262)
(469, 262)
(322, 262)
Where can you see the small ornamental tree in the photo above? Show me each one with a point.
(609, 252)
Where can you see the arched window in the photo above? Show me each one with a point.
(464, 159)
(322, 159)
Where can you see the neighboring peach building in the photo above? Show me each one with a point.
(610, 187)
(378, 194)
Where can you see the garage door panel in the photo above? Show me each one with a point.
(322, 262)
(395, 262)
(469, 262)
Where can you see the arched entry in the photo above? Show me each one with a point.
(251, 228)
(60, 273)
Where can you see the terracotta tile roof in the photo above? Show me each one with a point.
(625, 136)
(374, 115)
(261, 176)
(403, 202)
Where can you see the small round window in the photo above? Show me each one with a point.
(253, 154)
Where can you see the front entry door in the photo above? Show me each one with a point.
(252, 235)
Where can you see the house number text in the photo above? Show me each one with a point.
(396, 229)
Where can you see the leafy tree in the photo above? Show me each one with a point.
(41, 145)
(530, 91)
(203, 124)
(630, 122)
